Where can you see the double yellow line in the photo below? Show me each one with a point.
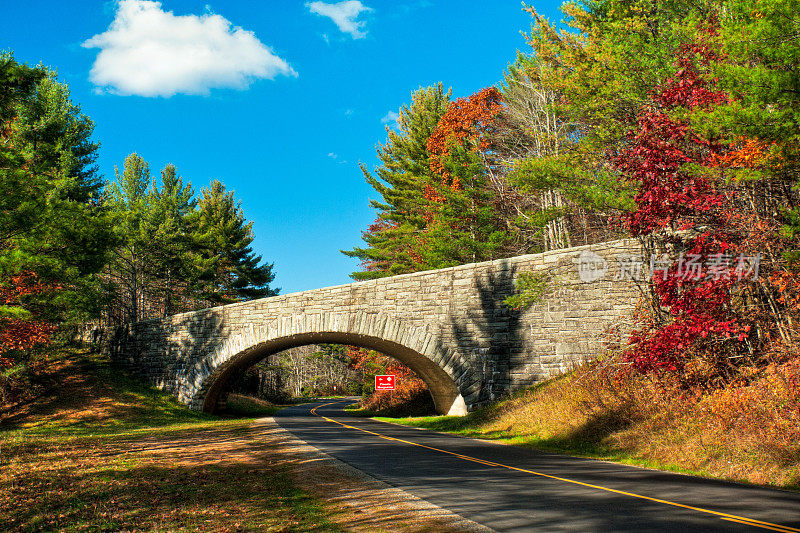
(724, 516)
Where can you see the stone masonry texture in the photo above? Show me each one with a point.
(448, 325)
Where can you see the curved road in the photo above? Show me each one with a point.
(509, 488)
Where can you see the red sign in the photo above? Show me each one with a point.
(384, 382)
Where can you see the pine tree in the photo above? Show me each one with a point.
(764, 109)
(231, 270)
(53, 232)
(50, 220)
(401, 181)
(129, 201)
(22, 193)
(464, 226)
(172, 260)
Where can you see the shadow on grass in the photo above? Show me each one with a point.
(131, 491)
(88, 395)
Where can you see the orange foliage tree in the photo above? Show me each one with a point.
(469, 120)
(21, 330)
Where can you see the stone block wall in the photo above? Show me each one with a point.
(449, 325)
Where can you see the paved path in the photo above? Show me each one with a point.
(516, 489)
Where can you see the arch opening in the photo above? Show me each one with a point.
(446, 396)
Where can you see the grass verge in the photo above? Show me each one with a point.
(242, 405)
(103, 452)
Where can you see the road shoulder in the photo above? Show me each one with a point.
(363, 503)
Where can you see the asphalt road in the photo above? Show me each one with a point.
(508, 488)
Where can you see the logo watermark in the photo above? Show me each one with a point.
(591, 266)
(691, 267)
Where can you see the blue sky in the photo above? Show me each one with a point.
(281, 111)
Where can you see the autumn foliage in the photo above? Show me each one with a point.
(746, 153)
(746, 431)
(19, 330)
(467, 120)
(681, 203)
(410, 396)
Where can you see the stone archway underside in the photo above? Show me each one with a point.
(445, 393)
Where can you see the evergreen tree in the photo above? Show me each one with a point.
(175, 252)
(231, 270)
(172, 260)
(763, 80)
(401, 180)
(464, 226)
(53, 232)
(50, 220)
(22, 194)
(130, 202)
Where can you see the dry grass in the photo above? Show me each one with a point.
(748, 432)
(221, 478)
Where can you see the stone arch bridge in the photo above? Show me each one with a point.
(450, 326)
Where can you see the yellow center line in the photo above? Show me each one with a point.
(782, 529)
(723, 516)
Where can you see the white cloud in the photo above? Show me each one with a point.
(335, 157)
(344, 15)
(147, 51)
(391, 119)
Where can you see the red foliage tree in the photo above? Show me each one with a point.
(373, 363)
(686, 209)
(408, 389)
